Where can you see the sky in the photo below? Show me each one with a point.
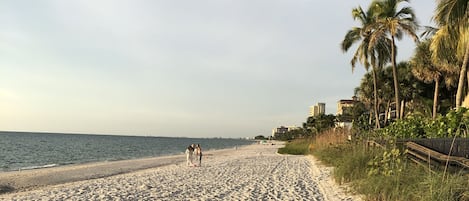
(177, 68)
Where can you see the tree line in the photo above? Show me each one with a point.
(436, 74)
(432, 83)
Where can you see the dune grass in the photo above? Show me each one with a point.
(296, 147)
(352, 162)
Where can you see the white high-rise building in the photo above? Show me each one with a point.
(312, 111)
(322, 108)
(318, 109)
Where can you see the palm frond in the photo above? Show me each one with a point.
(352, 36)
(451, 12)
(379, 32)
(405, 12)
(409, 28)
(428, 32)
(443, 46)
(462, 42)
(357, 13)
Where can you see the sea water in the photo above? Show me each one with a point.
(20, 151)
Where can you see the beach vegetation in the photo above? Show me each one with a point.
(441, 57)
(392, 21)
(320, 123)
(385, 173)
(312, 126)
(398, 101)
(450, 42)
(428, 71)
(293, 134)
(454, 124)
(296, 147)
(367, 55)
(417, 95)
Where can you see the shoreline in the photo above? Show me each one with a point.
(30, 150)
(30, 179)
(251, 172)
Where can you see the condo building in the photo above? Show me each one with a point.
(318, 109)
(282, 130)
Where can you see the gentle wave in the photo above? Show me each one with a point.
(38, 167)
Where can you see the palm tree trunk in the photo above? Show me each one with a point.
(375, 91)
(386, 113)
(394, 73)
(462, 76)
(370, 118)
(466, 63)
(401, 115)
(435, 97)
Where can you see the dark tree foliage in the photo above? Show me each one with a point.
(293, 134)
(260, 137)
(318, 124)
(311, 127)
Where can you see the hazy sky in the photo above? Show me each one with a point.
(205, 68)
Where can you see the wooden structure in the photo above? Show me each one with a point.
(431, 156)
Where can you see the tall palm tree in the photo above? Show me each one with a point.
(424, 69)
(451, 42)
(366, 55)
(393, 23)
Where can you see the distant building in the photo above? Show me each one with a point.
(282, 130)
(317, 109)
(344, 106)
(344, 112)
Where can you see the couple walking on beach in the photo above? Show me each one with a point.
(194, 151)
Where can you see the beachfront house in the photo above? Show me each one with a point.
(281, 130)
(344, 112)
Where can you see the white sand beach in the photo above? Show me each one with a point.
(254, 172)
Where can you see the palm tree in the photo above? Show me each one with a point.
(424, 69)
(366, 55)
(393, 23)
(451, 42)
(386, 83)
(365, 93)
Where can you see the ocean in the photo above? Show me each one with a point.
(21, 150)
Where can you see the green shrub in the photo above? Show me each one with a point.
(412, 126)
(455, 123)
(387, 164)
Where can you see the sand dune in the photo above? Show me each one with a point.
(253, 172)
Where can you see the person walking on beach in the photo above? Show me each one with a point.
(193, 154)
(198, 153)
(189, 155)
